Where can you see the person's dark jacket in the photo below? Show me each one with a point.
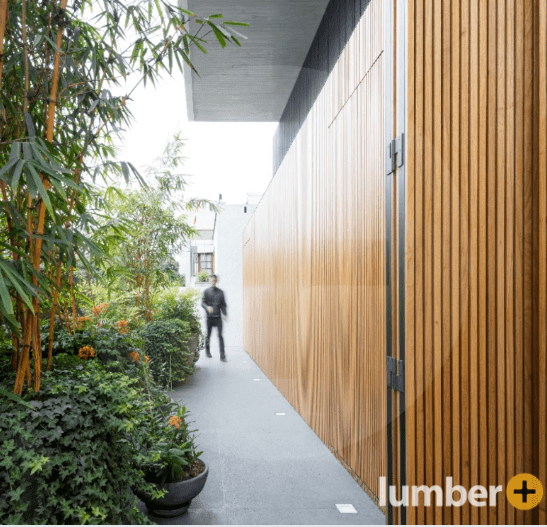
(214, 297)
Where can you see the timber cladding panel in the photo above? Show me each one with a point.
(314, 263)
(476, 250)
(475, 255)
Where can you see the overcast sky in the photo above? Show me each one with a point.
(231, 159)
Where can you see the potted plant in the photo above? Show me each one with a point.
(203, 276)
(173, 465)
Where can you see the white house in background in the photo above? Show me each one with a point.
(219, 250)
(199, 254)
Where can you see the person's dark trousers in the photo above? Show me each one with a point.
(211, 322)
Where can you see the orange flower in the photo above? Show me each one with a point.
(175, 421)
(81, 321)
(135, 356)
(97, 310)
(86, 352)
(146, 358)
(122, 324)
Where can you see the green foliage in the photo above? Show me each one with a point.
(120, 300)
(183, 305)
(73, 458)
(143, 260)
(203, 276)
(63, 101)
(109, 344)
(165, 342)
(175, 450)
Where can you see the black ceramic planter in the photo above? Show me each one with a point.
(178, 498)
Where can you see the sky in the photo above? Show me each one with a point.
(231, 159)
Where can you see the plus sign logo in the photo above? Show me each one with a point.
(524, 491)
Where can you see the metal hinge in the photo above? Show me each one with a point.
(395, 154)
(394, 380)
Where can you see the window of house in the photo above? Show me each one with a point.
(205, 262)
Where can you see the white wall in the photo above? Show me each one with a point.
(229, 267)
(184, 260)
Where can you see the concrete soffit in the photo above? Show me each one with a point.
(251, 83)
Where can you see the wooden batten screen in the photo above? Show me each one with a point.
(541, 260)
(476, 250)
(314, 263)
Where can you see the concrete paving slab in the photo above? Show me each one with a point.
(264, 469)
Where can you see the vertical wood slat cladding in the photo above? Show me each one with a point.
(314, 263)
(542, 249)
(476, 242)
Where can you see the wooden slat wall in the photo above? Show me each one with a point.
(542, 248)
(314, 263)
(476, 286)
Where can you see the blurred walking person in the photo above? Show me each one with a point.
(215, 306)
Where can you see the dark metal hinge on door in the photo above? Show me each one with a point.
(395, 380)
(395, 154)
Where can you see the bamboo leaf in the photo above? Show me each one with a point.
(187, 60)
(17, 174)
(5, 297)
(197, 44)
(189, 13)
(232, 30)
(30, 125)
(8, 166)
(218, 34)
(230, 23)
(41, 189)
(16, 281)
(125, 171)
(15, 152)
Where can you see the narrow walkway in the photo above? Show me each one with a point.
(264, 469)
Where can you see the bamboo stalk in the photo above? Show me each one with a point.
(24, 364)
(55, 81)
(25, 51)
(3, 19)
(15, 355)
(52, 316)
(37, 347)
(73, 302)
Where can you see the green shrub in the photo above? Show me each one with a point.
(165, 342)
(203, 276)
(73, 458)
(109, 343)
(183, 305)
(121, 304)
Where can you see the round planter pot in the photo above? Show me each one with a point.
(178, 498)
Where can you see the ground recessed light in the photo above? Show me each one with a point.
(280, 413)
(256, 379)
(346, 508)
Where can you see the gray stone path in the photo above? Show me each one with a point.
(264, 469)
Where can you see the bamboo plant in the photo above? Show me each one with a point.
(63, 71)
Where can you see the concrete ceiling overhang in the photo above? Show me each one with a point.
(251, 83)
